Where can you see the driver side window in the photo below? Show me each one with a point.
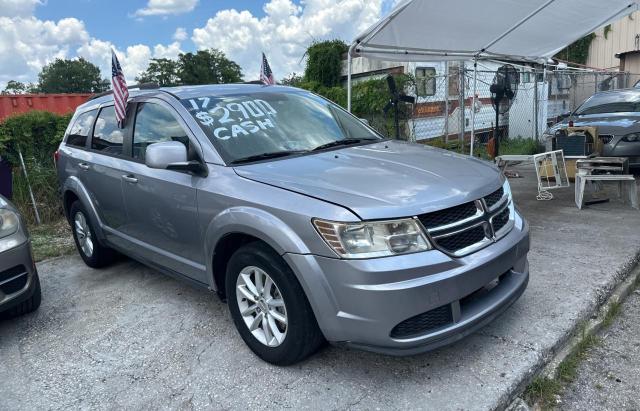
(156, 124)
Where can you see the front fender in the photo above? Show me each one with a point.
(254, 222)
(74, 185)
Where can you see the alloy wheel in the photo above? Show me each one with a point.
(261, 306)
(83, 233)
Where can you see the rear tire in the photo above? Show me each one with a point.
(266, 302)
(29, 305)
(93, 253)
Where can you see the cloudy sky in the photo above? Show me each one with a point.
(35, 32)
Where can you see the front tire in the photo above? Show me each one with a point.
(94, 254)
(269, 306)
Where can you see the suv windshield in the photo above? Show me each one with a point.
(256, 126)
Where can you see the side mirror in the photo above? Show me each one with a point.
(172, 155)
(162, 155)
(365, 121)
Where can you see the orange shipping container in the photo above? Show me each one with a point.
(57, 103)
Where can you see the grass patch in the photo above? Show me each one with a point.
(520, 145)
(514, 146)
(612, 313)
(543, 391)
(44, 183)
(51, 240)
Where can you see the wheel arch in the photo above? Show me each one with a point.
(73, 190)
(237, 226)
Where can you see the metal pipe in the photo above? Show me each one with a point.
(536, 105)
(349, 77)
(518, 24)
(446, 103)
(26, 177)
(461, 106)
(473, 106)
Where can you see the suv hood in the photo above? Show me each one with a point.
(382, 180)
(607, 123)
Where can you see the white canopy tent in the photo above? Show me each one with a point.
(531, 30)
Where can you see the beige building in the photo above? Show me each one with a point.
(619, 48)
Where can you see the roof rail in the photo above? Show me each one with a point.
(141, 86)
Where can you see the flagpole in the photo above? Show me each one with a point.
(349, 77)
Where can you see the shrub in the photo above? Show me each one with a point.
(37, 135)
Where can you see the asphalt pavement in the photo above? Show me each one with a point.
(129, 337)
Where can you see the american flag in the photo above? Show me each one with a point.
(266, 75)
(120, 90)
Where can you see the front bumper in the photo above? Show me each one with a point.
(360, 302)
(17, 276)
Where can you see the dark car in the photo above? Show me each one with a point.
(616, 114)
(19, 283)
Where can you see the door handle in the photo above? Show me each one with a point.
(83, 166)
(130, 179)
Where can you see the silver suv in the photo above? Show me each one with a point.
(311, 225)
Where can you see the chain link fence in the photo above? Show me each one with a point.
(444, 110)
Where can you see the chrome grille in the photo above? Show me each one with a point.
(449, 215)
(493, 198)
(501, 220)
(468, 227)
(463, 239)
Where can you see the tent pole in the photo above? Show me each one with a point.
(473, 105)
(349, 77)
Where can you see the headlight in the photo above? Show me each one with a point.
(506, 187)
(631, 138)
(9, 222)
(373, 238)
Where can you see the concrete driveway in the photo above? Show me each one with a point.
(129, 337)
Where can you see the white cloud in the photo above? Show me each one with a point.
(285, 31)
(180, 34)
(26, 44)
(166, 7)
(134, 59)
(17, 8)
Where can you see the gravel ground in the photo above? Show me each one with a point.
(609, 378)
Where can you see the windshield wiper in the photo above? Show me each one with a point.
(344, 142)
(266, 156)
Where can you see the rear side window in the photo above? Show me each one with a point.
(81, 129)
(155, 124)
(107, 136)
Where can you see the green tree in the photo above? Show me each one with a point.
(293, 80)
(71, 76)
(208, 67)
(162, 71)
(15, 87)
(324, 62)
